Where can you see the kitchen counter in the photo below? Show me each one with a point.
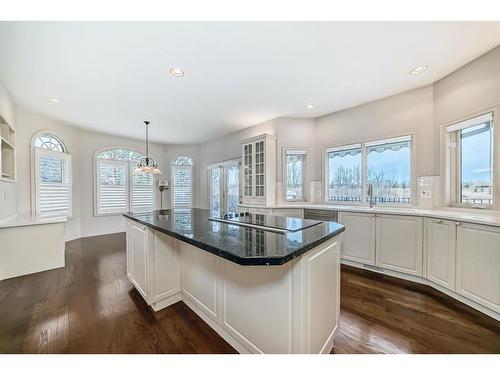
(27, 220)
(241, 245)
(475, 216)
(264, 291)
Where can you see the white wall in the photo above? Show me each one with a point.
(408, 112)
(471, 90)
(82, 145)
(465, 92)
(8, 206)
(290, 132)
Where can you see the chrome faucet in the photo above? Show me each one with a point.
(370, 195)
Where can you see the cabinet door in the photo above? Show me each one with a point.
(248, 161)
(260, 169)
(137, 247)
(130, 264)
(399, 243)
(441, 252)
(164, 267)
(358, 242)
(478, 264)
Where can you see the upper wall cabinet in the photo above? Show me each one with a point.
(259, 170)
(7, 152)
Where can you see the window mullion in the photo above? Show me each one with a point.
(364, 174)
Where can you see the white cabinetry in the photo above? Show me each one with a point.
(259, 170)
(7, 152)
(358, 242)
(478, 264)
(137, 246)
(399, 243)
(153, 265)
(440, 246)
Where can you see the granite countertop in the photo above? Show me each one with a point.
(475, 216)
(242, 245)
(27, 220)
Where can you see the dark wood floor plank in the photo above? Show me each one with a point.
(89, 306)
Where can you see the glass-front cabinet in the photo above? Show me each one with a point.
(259, 170)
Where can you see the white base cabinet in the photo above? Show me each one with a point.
(153, 265)
(459, 259)
(441, 254)
(358, 244)
(478, 264)
(399, 243)
(292, 308)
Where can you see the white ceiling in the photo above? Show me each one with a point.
(112, 76)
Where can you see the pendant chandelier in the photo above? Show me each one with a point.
(147, 164)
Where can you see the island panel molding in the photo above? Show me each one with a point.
(289, 308)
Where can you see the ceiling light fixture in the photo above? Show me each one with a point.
(310, 106)
(419, 69)
(177, 72)
(147, 164)
(54, 100)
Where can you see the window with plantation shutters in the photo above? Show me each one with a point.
(182, 181)
(52, 177)
(119, 188)
(112, 186)
(142, 192)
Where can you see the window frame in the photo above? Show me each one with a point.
(285, 152)
(173, 167)
(364, 170)
(130, 172)
(451, 170)
(34, 171)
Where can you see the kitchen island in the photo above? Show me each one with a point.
(266, 284)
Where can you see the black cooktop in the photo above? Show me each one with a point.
(285, 224)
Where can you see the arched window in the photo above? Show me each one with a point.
(182, 181)
(47, 141)
(118, 187)
(52, 176)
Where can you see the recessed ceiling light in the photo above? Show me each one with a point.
(177, 72)
(54, 100)
(310, 106)
(419, 69)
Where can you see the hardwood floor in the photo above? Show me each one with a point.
(90, 307)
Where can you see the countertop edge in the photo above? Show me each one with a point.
(481, 218)
(255, 261)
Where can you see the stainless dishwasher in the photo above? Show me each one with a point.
(324, 215)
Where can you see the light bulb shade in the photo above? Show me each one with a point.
(156, 170)
(163, 183)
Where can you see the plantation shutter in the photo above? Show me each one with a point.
(112, 186)
(142, 191)
(53, 183)
(182, 186)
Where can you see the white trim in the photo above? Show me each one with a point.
(450, 160)
(389, 140)
(487, 117)
(343, 147)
